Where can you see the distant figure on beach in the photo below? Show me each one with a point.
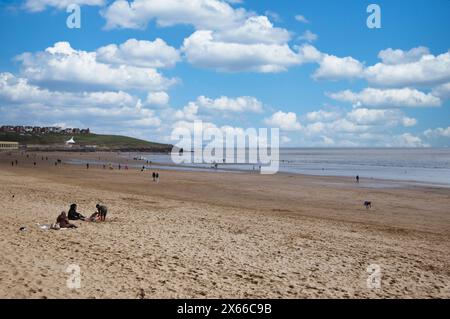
(120, 167)
(357, 179)
(102, 211)
(17, 162)
(87, 165)
(12, 163)
(126, 167)
(154, 176)
(73, 214)
(34, 163)
(63, 221)
(104, 166)
(157, 177)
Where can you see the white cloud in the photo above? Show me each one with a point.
(158, 98)
(188, 113)
(255, 30)
(442, 91)
(385, 117)
(334, 68)
(409, 121)
(40, 5)
(438, 132)
(203, 49)
(408, 140)
(301, 18)
(321, 115)
(62, 65)
(308, 36)
(202, 14)
(223, 104)
(18, 90)
(284, 121)
(226, 104)
(23, 101)
(227, 39)
(392, 57)
(147, 54)
(425, 69)
(357, 127)
(389, 98)
(412, 68)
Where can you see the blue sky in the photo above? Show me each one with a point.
(311, 68)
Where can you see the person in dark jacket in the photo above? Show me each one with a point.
(73, 214)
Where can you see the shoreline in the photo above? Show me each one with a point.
(365, 181)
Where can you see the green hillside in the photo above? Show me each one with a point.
(113, 142)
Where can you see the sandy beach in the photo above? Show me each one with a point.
(217, 235)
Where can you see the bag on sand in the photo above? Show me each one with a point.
(55, 226)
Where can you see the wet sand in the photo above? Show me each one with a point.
(211, 234)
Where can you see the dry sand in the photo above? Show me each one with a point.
(226, 235)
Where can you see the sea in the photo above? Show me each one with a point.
(417, 165)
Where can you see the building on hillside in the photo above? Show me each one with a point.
(85, 131)
(7, 129)
(9, 146)
(19, 129)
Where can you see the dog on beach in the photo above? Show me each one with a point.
(367, 204)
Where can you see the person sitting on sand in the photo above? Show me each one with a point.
(94, 217)
(73, 214)
(63, 221)
(102, 211)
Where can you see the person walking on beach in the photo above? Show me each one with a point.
(357, 179)
(17, 162)
(154, 176)
(12, 163)
(157, 177)
(87, 165)
(102, 211)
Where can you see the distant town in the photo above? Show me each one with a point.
(38, 130)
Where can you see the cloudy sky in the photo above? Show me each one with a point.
(311, 68)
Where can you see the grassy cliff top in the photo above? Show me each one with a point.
(114, 142)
